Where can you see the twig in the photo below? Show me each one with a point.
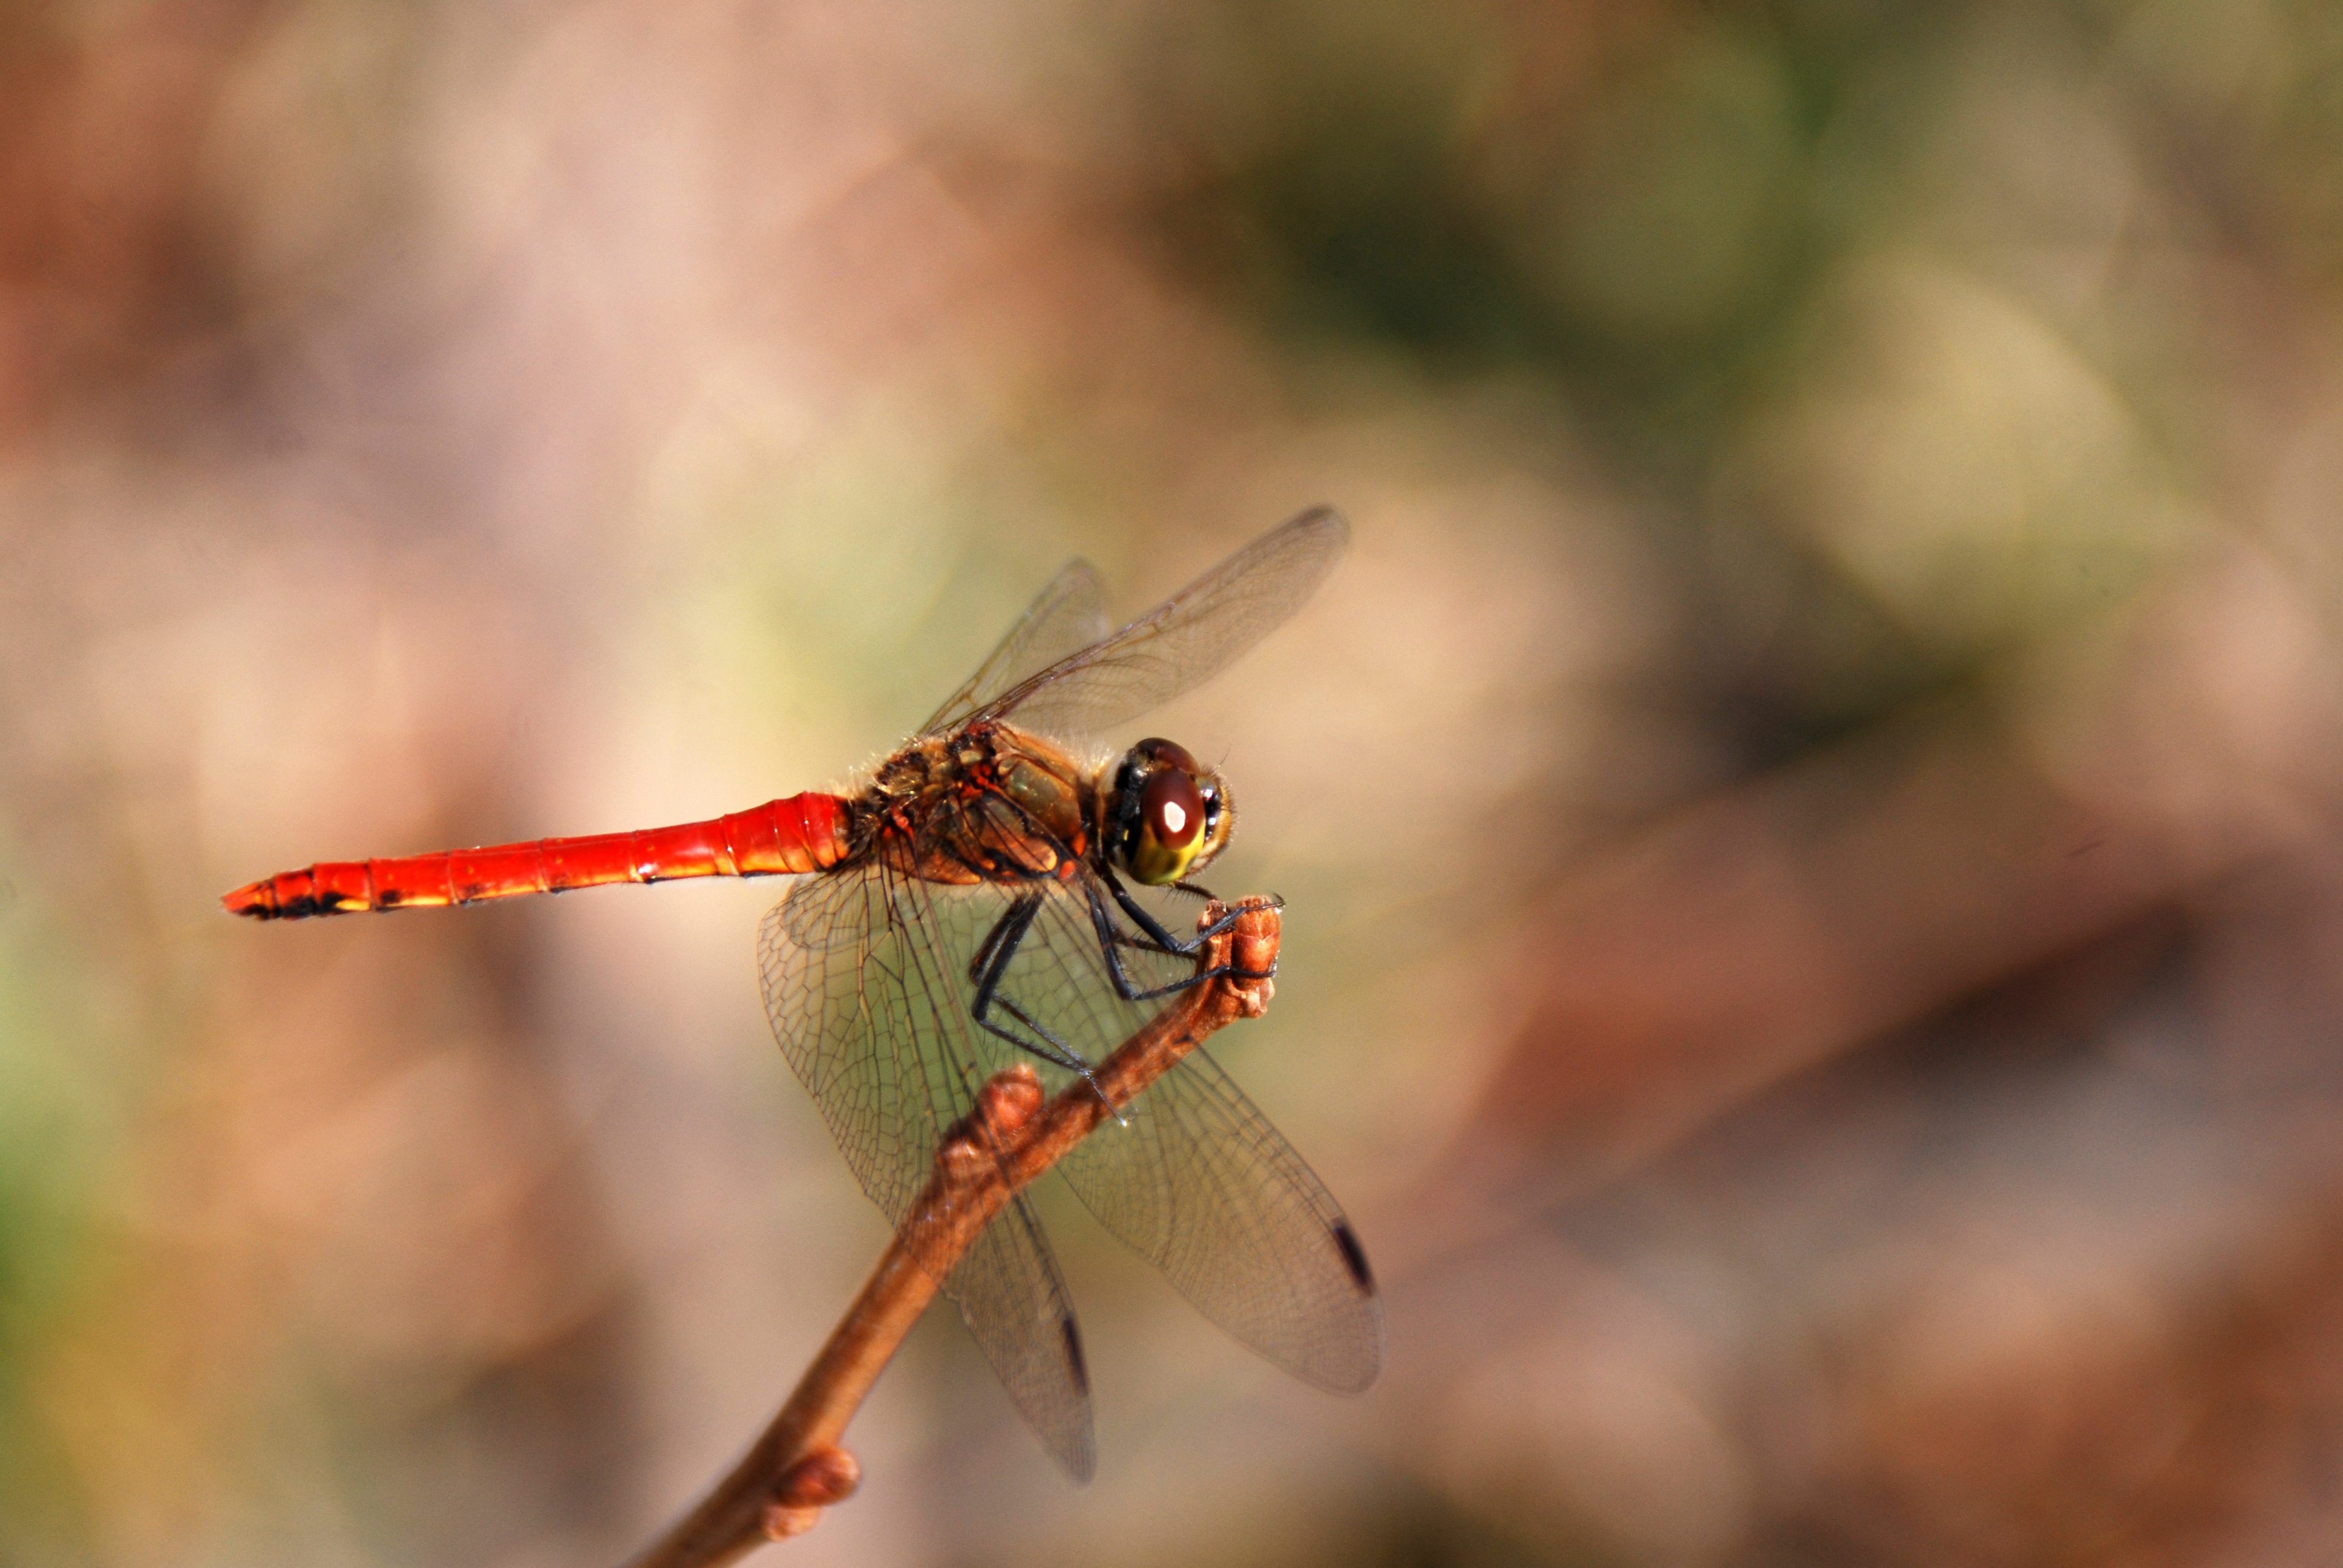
(796, 1469)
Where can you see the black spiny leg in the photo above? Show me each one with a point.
(1157, 940)
(985, 971)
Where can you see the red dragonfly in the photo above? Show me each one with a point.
(967, 909)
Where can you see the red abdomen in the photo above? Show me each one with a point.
(796, 834)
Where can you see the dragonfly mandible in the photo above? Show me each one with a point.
(966, 909)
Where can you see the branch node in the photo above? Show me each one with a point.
(1007, 1102)
(781, 1522)
(825, 1476)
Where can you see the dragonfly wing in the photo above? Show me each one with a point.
(1067, 616)
(1029, 1334)
(864, 979)
(1194, 1178)
(1199, 1184)
(1185, 641)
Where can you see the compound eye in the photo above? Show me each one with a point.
(1168, 753)
(1173, 808)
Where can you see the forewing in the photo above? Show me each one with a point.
(1185, 641)
(1194, 1178)
(865, 979)
(1067, 616)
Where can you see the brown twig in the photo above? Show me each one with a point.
(796, 1469)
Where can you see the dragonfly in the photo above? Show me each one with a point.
(970, 906)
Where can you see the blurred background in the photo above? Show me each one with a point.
(1813, 816)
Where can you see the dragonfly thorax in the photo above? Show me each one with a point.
(1166, 815)
(985, 803)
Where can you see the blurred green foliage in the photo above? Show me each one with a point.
(62, 1083)
(1870, 303)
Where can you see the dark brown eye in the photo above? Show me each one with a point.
(1173, 808)
(1158, 749)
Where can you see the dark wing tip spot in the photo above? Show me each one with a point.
(1074, 1358)
(1355, 1257)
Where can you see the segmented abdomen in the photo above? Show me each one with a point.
(796, 834)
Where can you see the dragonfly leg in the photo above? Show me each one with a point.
(1158, 939)
(985, 971)
(1163, 939)
(1018, 920)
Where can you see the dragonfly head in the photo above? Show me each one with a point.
(1168, 814)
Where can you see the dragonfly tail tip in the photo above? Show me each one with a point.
(256, 900)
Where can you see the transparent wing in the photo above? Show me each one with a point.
(1185, 641)
(1194, 1179)
(1067, 616)
(1201, 1185)
(866, 991)
(1014, 1302)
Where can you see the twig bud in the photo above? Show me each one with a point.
(1007, 1102)
(825, 1476)
(781, 1522)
